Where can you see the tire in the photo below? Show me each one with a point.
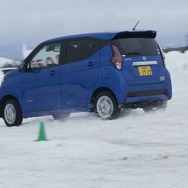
(158, 106)
(12, 113)
(61, 117)
(106, 106)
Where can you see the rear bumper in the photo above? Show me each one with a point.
(149, 95)
(143, 99)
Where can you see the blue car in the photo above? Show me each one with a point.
(99, 72)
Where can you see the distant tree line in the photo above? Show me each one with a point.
(180, 49)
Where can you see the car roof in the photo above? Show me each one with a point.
(110, 35)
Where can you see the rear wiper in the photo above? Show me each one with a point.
(133, 53)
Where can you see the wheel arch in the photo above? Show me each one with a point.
(99, 90)
(4, 99)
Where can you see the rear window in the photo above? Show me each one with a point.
(137, 46)
(79, 50)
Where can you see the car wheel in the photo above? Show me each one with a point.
(12, 113)
(61, 117)
(106, 106)
(159, 105)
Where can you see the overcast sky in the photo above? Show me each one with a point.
(33, 21)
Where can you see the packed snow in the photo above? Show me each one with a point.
(138, 150)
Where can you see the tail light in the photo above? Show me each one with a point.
(117, 60)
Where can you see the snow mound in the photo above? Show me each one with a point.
(5, 62)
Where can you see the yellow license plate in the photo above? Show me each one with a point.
(145, 71)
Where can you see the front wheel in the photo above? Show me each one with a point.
(12, 113)
(106, 106)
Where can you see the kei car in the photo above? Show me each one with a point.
(97, 72)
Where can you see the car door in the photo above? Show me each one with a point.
(41, 82)
(80, 73)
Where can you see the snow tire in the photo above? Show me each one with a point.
(12, 113)
(106, 106)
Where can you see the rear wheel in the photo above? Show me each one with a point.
(12, 113)
(61, 117)
(106, 106)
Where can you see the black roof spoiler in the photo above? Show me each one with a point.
(134, 34)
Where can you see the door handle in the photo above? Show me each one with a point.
(91, 63)
(53, 72)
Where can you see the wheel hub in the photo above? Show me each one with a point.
(10, 113)
(105, 107)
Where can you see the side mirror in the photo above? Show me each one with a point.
(23, 67)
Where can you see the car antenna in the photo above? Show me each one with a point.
(135, 26)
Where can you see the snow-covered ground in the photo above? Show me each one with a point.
(136, 151)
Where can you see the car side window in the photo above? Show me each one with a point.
(47, 56)
(81, 49)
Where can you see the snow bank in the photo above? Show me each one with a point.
(5, 62)
(137, 150)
